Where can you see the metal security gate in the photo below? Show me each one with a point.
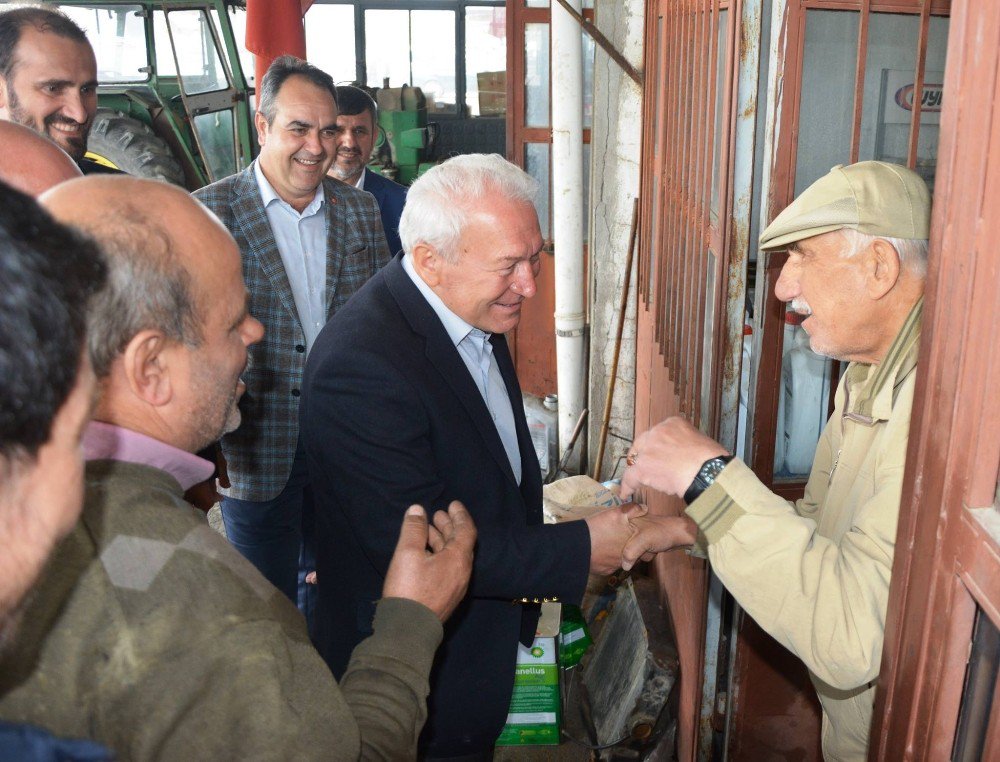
(938, 688)
(847, 81)
(837, 81)
(694, 228)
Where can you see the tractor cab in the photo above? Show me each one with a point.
(174, 103)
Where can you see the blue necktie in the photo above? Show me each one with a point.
(491, 386)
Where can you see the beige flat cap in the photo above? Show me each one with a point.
(872, 197)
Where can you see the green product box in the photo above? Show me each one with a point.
(574, 637)
(534, 706)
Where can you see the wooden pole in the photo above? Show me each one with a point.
(622, 307)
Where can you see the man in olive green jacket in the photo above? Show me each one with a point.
(815, 573)
(150, 633)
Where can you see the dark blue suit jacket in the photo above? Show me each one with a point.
(390, 417)
(391, 197)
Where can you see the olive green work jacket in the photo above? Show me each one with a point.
(154, 636)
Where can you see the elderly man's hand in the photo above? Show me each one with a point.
(609, 531)
(655, 534)
(667, 458)
(432, 563)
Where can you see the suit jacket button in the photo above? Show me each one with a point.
(296, 393)
(300, 348)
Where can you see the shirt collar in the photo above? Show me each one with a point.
(105, 441)
(457, 328)
(269, 195)
(360, 184)
(877, 384)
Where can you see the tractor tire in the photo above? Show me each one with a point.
(132, 147)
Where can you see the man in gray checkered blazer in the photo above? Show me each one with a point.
(308, 243)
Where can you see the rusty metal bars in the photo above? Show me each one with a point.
(677, 232)
(697, 283)
(703, 189)
(650, 116)
(918, 85)
(677, 235)
(672, 191)
(690, 335)
(647, 114)
(684, 260)
(653, 115)
(679, 250)
(672, 275)
(713, 19)
(947, 559)
(671, 315)
(938, 7)
(661, 251)
(859, 80)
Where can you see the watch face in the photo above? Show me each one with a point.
(706, 476)
(712, 469)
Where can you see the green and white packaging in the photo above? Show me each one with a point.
(574, 637)
(534, 706)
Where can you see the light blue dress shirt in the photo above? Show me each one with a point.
(476, 351)
(301, 240)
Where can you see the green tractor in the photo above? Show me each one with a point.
(407, 141)
(174, 103)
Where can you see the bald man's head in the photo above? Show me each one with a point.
(145, 229)
(169, 333)
(31, 163)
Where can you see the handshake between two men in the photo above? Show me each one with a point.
(621, 536)
(433, 560)
(675, 458)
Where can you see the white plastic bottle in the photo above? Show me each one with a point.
(780, 439)
(543, 425)
(741, 425)
(804, 384)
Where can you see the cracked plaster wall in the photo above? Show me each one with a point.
(615, 154)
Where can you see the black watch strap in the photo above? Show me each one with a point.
(709, 470)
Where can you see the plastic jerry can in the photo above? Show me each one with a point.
(741, 425)
(805, 394)
(543, 425)
(788, 339)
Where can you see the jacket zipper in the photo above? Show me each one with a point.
(867, 420)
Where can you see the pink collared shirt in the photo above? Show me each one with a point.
(105, 441)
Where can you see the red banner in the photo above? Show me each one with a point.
(274, 28)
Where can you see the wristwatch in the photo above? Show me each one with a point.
(707, 475)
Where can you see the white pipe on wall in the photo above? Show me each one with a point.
(567, 215)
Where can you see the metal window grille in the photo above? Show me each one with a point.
(680, 246)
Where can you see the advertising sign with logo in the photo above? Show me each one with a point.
(899, 90)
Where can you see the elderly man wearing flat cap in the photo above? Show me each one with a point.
(815, 573)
